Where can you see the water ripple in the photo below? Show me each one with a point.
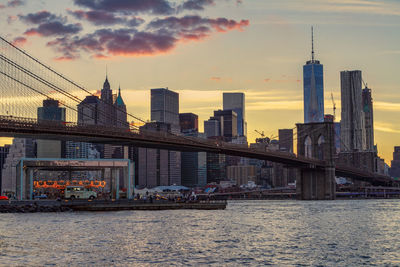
(247, 233)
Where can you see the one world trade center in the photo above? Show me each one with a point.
(313, 76)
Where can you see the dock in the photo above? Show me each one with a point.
(104, 205)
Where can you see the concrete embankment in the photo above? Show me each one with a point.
(101, 205)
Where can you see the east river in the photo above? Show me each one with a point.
(252, 233)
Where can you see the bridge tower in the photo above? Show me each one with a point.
(317, 141)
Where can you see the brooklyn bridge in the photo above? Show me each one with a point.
(25, 82)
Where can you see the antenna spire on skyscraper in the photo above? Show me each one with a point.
(312, 43)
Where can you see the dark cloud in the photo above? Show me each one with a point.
(105, 18)
(97, 17)
(161, 36)
(13, 3)
(118, 31)
(54, 28)
(196, 22)
(49, 24)
(40, 17)
(115, 42)
(158, 7)
(196, 4)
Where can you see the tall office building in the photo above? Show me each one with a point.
(368, 109)
(212, 128)
(106, 106)
(286, 140)
(352, 130)
(194, 164)
(313, 79)
(89, 111)
(154, 163)
(50, 111)
(228, 123)
(395, 166)
(165, 107)
(236, 102)
(216, 168)
(157, 166)
(222, 126)
(188, 122)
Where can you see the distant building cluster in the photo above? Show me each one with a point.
(354, 134)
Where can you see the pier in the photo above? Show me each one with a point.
(104, 205)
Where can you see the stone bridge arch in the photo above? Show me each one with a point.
(316, 140)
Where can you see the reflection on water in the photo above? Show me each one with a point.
(333, 233)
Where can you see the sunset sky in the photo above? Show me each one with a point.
(201, 48)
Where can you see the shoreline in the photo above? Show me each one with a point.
(103, 206)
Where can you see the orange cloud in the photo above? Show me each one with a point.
(19, 41)
(216, 79)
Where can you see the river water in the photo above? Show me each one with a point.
(252, 233)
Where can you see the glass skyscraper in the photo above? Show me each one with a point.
(236, 102)
(165, 106)
(313, 77)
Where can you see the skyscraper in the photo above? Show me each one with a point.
(369, 118)
(154, 165)
(352, 130)
(194, 164)
(165, 107)
(236, 102)
(228, 123)
(212, 128)
(121, 117)
(106, 107)
(157, 166)
(89, 111)
(50, 112)
(188, 121)
(286, 140)
(313, 79)
(395, 166)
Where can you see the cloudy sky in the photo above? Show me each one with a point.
(201, 48)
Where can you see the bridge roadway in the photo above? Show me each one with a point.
(31, 128)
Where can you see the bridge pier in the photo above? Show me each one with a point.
(315, 184)
(316, 140)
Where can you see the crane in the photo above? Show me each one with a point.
(334, 107)
(365, 84)
(260, 133)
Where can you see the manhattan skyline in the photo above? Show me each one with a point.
(261, 53)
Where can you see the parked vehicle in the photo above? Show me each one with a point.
(79, 192)
(3, 198)
(42, 196)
